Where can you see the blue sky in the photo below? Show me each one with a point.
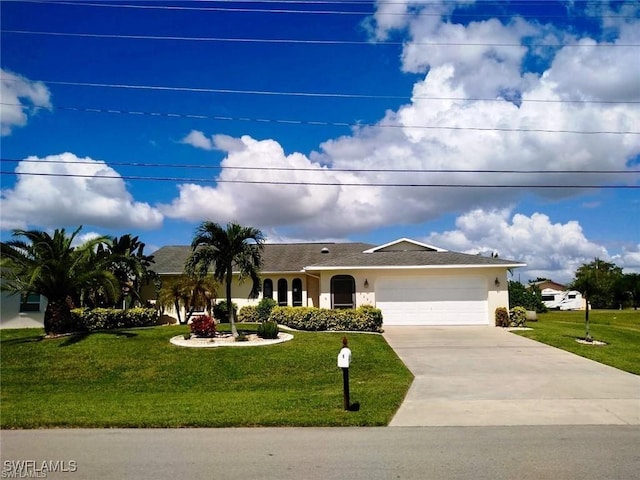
(326, 120)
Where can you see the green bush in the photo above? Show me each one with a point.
(85, 320)
(248, 313)
(221, 311)
(268, 330)
(264, 308)
(502, 317)
(364, 319)
(518, 316)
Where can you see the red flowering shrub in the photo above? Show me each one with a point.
(203, 326)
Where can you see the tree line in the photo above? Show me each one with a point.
(111, 272)
(603, 284)
(101, 272)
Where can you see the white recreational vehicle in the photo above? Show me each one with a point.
(563, 299)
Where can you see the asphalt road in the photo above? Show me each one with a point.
(503, 452)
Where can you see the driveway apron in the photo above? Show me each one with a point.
(477, 376)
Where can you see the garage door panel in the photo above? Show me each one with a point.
(432, 301)
(430, 294)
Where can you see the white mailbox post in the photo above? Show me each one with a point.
(344, 360)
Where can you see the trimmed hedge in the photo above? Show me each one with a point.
(85, 320)
(363, 319)
(257, 313)
(248, 314)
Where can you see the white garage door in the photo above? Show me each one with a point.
(432, 301)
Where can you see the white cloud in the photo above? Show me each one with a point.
(62, 191)
(197, 139)
(479, 135)
(628, 259)
(266, 205)
(551, 250)
(599, 71)
(20, 99)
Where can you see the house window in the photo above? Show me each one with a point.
(282, 292)
(267, 288)
(30, 302)
(343, 291)
(296, 286)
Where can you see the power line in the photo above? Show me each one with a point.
(327, 123)
(323, 170)
(320, 184)
(410, 13)
(314, 94)
(311, 41)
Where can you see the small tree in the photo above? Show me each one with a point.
(597, 281)
(127, 261)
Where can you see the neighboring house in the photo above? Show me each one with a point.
(542, 284)
(21, 311)
(411, 282)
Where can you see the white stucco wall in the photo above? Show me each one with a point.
(497, 296)
(312, 287)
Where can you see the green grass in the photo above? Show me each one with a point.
(620, 329)
(136, 378)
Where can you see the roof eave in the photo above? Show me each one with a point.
(410, 267)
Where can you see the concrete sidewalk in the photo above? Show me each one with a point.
(476, 376)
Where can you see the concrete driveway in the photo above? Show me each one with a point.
(475, 376)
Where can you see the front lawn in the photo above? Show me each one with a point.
(136, 378)
(620, 329)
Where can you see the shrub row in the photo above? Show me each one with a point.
(85, 320)
(257, 313)
(363, 319)
(248, 313)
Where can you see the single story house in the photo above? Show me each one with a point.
(412, 283)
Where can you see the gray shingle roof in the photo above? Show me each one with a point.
(412, 258)
(294, 257)
(285, 257)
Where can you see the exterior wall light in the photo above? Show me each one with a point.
(497, 282)
(366, 283)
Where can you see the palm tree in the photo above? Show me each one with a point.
(225, 249)
(189, 293)
(50, 266)
(130, 265)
